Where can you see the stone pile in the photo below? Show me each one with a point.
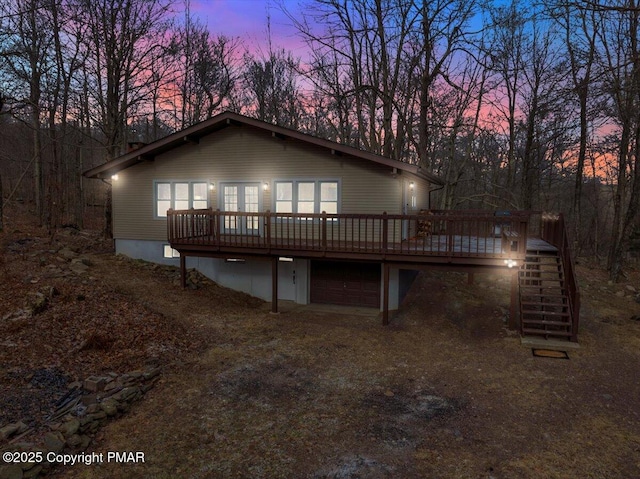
(195, 279)
(78, 416)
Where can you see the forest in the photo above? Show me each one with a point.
(516, 105)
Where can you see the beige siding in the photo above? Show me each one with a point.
(244, 154)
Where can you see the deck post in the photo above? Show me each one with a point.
(323, 231)
(385, 232)
(267, 228)
(385, 294)
(274, 284)
(513, 312)
(183, 271)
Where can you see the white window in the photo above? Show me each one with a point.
(329, 197)
(284, 197)
(180, 195)
(305, 196)
(169, 252)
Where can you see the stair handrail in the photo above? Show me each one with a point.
(554, 232)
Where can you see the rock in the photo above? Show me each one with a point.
(9, 430)
(54, 441)
(97, 416)
(84, 261)
(39, 304)
(110, 406)
(85, 441)
(78, 268)
(17, 315)
(128, 394)
(33, 472)
(74, 441)
(95, 383)
(631, 288)
(12, 471)
(70, 428)
(67, 253)
(620, 294)
(152, 373)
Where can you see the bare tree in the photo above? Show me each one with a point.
(121, 39)
(579, 26)
(620, 56)
(271, 90)
(26, 42)
(506, 47)
(204, 70)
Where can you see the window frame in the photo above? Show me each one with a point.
(317, 191)
(175, 254)
(172, 193)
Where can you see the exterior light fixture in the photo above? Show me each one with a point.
(212, 186)
(412, 185)
(510, 263)
(114, 177)
(265, 186)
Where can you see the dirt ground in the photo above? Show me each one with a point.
(445, 391)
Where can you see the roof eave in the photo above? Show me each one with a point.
(223, 120)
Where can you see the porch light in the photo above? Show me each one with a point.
(114, 177)
(212, 186)
(510, 263)
(265, 186)
(412, 185)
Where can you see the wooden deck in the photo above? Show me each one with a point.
(460, 238)
(470, 241)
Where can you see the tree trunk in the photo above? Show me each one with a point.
(1, 204)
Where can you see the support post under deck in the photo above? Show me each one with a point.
(274, 284)
(513, 312)
(385, 295)
(183, 271)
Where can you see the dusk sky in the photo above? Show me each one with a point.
(247, 19)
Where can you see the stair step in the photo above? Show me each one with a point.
(547, 313)
(551, 305)
(539, 278)
(545, 332)
(533, 273)
(537, 293)
(543, 322)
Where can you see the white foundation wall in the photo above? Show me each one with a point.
(253, 276)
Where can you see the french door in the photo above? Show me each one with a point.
(245, 198)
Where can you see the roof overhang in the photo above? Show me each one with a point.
(194, 133)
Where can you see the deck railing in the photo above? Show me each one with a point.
(554, 231)
(434, 233)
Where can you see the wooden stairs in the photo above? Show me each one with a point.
(544, 301)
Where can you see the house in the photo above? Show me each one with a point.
(283, 215)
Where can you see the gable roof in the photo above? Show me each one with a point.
(227, 119)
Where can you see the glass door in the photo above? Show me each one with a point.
(244, 198)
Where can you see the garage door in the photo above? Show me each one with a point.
(348, 284)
